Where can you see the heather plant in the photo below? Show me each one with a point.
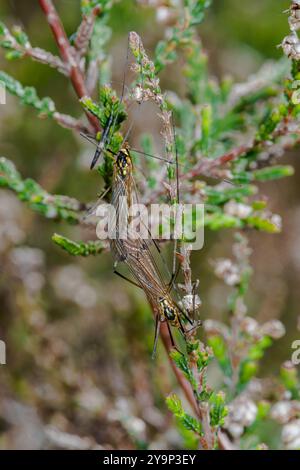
(229, 140)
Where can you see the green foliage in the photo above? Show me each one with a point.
(212, 120)
(111, 113)
(189, 422)
(249, 366)
(109, 108)
(9, 41)
(218, 409)
(273, 173)
(181, 362)
(181, 35)
(78, 248)
(221, 354)
(206, 119)
(290, 379)
(271, 121)
(88, 5)
(28, 96)
(50, 206)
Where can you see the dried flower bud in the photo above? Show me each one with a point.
(228, 271)
(138, 94)
(290, 46)
(273, 328)
(165, 15)
(249, 325)
(237, 209)
(191, 302)
(294, 18)
(291, 435)
(213, 327)
(236, 430)
(276, 219)
(282, 412)
(242, 413)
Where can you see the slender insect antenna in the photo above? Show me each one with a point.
(152, 156)
(176, 161)
(177, 193)
(90, 138)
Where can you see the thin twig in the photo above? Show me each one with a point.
(70, 123)
(67, 54)
(45, 57)
(207, 165)
(183, 383)
(35, 53)
(85, 31)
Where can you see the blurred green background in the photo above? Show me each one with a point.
(79, 339)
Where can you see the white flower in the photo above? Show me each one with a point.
(228, 271)
(242, 413)
(162, 14)
(237, 209)
(281, 411)
(273, 328)
(191, 302)
(291, 435)
(249, 325)
(276, 219)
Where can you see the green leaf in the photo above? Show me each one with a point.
(88, 5)
(262, 223)
(198, 10)
(13, 55)
(289, 377)
(78, 248)
(3, 29)
(218, 409)
(217, 221)
(50, 206)
(273, 172)
(219, 348)
(109, 110)
(28, 95)
(248, 369)
(206, 125)
(270, 122)
(20, 36)
(182, 364)
(189, 422)
(175, 406)
(218, 196)
(258, 349)
(263, 408)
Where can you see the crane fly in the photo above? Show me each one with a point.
(137, 253)
(134, 251)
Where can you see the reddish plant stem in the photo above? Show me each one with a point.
(184, 384)
(208, 165)
(187, 389)
(67, 55)
(224, 442)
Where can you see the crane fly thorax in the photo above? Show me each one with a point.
(123, 163)
(168, 310)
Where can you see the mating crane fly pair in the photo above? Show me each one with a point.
(136, 252)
